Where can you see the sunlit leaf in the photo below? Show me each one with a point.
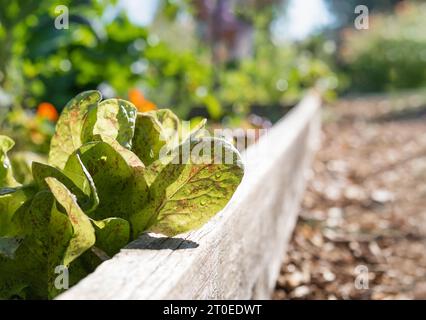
(83, 233)
(114, 118)
(6, 175)
(120, 184)
(186, 194)
(68, 133)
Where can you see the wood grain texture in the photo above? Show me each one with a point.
(238, 254)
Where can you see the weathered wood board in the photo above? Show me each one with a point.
(238, 254)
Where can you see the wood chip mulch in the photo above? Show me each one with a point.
(361, 232)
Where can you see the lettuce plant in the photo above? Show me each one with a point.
(112, 174)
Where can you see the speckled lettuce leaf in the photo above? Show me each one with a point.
(173, 129)
(77, 172)
(42, 171)
(23, 275)
(147, 140)
(74, 176)
(69, 128)
(153, 131)
(27, 268)
(168, 120)
(131, 158)
(121, 187)
(48, 239)
(196, 130)
(108, 180)
(170, 151)
(6, 175)
(22, 163)
(61, 234)
(158, 129)
(188, 192)
(83, 233)
(112, 234)
(33, 221)
(36, 224)
(114, 118)
(11, 199)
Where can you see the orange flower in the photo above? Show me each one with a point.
(137, 98)
(47, 111)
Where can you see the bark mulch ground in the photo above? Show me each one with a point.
(361, 233)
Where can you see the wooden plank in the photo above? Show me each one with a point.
(237, 255)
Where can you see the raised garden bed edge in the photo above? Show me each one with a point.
(238, 254)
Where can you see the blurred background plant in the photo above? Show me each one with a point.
(225, 59)
(209, 58)
(392, 55)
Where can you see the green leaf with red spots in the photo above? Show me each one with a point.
(191, 188)
(6, 175)
(112, 174)
(11, 199)
(114, 118)
(158, 131)
(112, 234)
(148, 139)
(68, 135)
(83, 234)
(119, 182)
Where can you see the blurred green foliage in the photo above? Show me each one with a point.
(39, 63)
(276, 76)
(343, 11)
(391, 54)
